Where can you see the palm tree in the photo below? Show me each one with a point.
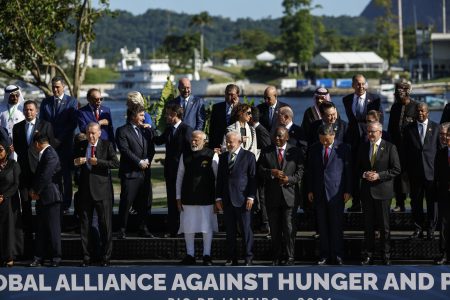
(202, 20)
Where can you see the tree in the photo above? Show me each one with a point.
(27, 40)
(297, 31)
(387, 32)
(180, 48)
(202, 20)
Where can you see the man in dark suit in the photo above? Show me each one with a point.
(403, 112)
(177, 137)
(377, 164)
(194, 113)
(221, 116)
(329, 117)
(269, 109)
(235, 193)
(28, 157)
(297, 136)
(442, 179)
(313, 113)
(421, 142)
(95, 157)
(60, 110)
(329, 187)
(94, 111)
(356, 107)
(281, 165)
(48, 201)
(262, 141)
(134, 142)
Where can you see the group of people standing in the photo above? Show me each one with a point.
(252, 157)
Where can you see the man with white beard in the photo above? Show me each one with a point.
(195, 186)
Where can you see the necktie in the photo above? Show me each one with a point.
(92, 151)
(360, 109)
(97, 114)
(374, 155)
(137, 131)
(232, 161)
(171, 134)
(402, 115)
(230, 108)
(325, 156)
(29, 132)
(422, 132)
(271, 113)
(280, 156)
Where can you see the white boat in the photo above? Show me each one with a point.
(386, 92)
(147, 77)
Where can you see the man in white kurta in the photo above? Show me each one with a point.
(195, 192)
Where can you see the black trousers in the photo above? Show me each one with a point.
(135, 192)
(27, 215)
(376, 211)
(444, 220)
(281, 230)
(419, 189)
(330, 216)
(48, 232)
(173, 216)
(104, 214)
(262, 210)
(238, 216)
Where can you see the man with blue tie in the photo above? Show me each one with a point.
(329, 187)
(269, 109)
(194, 113)
(60, 110)
(96, 112)
(235, 194)
(377, 164)
(421, 143)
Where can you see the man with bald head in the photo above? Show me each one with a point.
(269, 109)
(193, 107)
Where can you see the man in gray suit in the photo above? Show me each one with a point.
(194, 107)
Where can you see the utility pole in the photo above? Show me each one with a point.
(400, 29)
(444, 19)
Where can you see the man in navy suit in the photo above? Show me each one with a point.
(377, 164)
(356, 107)
(95, 112)
(134, 141)
(60, 110)
(235, 193)
(329, 187)
(281, 166)
(28, 156)
(177, 137)
(329, 115)
(193, 107)
(48, 200)
(421, 143)
(268, 110)
(221, 116)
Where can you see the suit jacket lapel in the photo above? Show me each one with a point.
(188, 105)
(428, 132)
(332, 152)
(135, 136)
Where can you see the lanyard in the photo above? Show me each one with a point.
(11, 113)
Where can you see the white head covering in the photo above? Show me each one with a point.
(11, 89)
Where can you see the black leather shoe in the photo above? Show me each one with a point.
(105, 263)
(188, 260)
(442, 261)
(322, 262)
(249, 262)
(367, 261)
(265, 228)
(122, 235)
(417, 234)
(207, 261)
(54, 264)
(386, 261)
(231, 262)
(276, 262)
(85, 263)
(398, 209)
(35, 263)
(290, 262)
(339, 261)
(145, 233)
(430, 234)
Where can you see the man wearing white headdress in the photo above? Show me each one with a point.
(11, 109)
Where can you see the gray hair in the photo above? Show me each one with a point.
(326, 129)
(286, 111)
(200, 133)
(135, 98)
(422, 105)
(375, 124)
(233, 134)
(92, 124)
(445, 126)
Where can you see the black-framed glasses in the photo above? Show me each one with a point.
(249, 113)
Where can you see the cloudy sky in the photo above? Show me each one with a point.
(233, 9)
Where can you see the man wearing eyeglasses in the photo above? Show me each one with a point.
(96, 112)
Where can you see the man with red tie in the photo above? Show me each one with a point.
(95, 157)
